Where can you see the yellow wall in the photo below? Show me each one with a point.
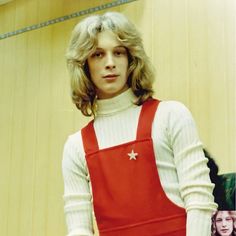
(192, 46)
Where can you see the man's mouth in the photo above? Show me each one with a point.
(224, 230)
(110, 76)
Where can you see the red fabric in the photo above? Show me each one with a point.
(127, 194)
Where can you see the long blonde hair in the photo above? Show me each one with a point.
(83, 41)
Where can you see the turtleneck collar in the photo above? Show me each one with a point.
(116, 104)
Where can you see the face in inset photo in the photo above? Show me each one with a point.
(223, 223)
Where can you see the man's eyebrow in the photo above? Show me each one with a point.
(98, 48)
(120, 46)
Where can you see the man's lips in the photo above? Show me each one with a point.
(224, 230)
(110, 76)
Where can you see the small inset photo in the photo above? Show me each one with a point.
(223, 223)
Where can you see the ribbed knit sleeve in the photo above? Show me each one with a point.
(192, 171)
(77, 195)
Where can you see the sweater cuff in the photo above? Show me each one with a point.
(199, 222)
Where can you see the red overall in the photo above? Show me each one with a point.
(127, 194)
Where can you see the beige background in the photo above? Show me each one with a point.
(192, 46)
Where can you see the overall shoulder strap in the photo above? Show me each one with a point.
(146, 118)
(89, 138)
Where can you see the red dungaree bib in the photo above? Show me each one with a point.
(127, 194)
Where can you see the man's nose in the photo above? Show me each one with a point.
(110, 63)
(224, 223)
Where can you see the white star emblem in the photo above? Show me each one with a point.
(132, 155)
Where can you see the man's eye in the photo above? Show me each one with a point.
(120, 52)
(97, 54)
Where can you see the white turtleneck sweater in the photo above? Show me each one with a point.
(179, 158)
